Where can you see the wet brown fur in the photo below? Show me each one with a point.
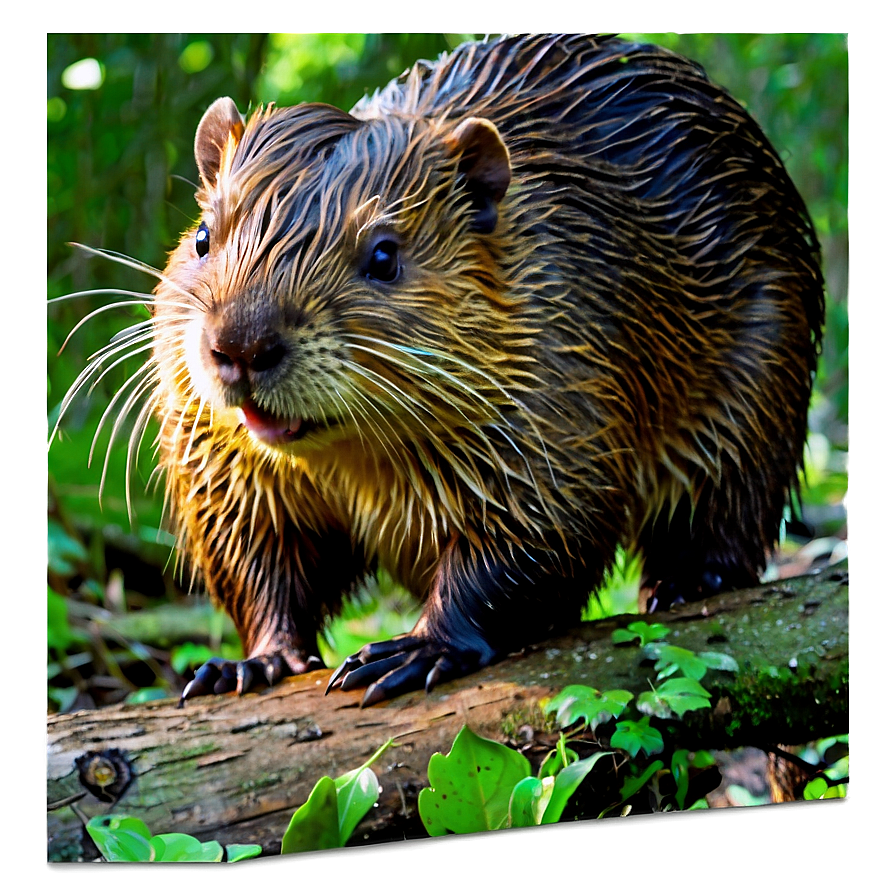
(627, 357)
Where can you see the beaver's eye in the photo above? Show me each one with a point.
(383, 264)
(202, 240)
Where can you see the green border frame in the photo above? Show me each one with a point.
(840, 846)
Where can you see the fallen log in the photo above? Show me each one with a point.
(234, 769)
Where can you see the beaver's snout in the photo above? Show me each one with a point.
(244, 346)
(240, 359)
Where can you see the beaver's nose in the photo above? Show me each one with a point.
(236, 359)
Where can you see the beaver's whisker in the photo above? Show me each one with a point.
(142, 424)
(146, 298)
(102, 359)
(89, 316)
(115, 346)
(96, 364)
(145, 370)
(449, 399)
(111, 255)
(467, 472)
(136, 438)
(143, 326)
(388, 446)
(531, 479)
(476, 371)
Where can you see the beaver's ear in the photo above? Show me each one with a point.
(485, 165)
(221, 124)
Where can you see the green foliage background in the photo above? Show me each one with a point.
(121, 176)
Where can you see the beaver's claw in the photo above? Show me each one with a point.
(219, 676)
(390, 668)
(675, 592)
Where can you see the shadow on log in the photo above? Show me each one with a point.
(234, 769)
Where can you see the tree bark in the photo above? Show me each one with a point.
(235, 768)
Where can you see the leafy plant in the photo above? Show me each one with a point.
(333, 809)
(579, 701)
(670, 659)
(482, 785)
(122, 838)
(642, 632)
(674, 697)
(634, 736)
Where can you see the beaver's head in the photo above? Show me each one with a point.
(346, 278)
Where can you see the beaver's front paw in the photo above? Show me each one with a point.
(218, 676)
(403, 664)
(688, 587)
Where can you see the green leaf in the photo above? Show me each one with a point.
(356, 793)
(528, 801)
(189, 656)
(577, 701)
(670, 659)
(556, 761)
(635, 736)
(315, 824)
(354, 800)
(720, 661)
(238, 852)
(184, 848)
(674, 697)
(63, 551)
(59, 633)
(121, 838)
(679, 765)
(145, 695)
(566, 784)
(471, 787)
(815, 789)
(643, 632)
(633, 784)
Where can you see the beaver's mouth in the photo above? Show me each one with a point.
(273, 429)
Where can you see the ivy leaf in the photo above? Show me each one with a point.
(315, 824)
(635, 736)
(121, 838)
(670, 659)
(471, 787)
(643, 632)
(578, 701)
(673, 697)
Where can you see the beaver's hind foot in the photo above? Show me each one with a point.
(219, 676)
(407, 663)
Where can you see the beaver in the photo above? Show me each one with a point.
(542, 297)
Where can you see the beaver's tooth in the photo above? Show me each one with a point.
(295, 424)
